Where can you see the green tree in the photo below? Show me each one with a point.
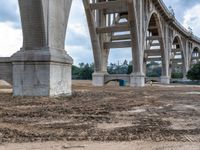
(194, 72)
(86, 72)
(130, 69)
(177, 75)
(75, 72)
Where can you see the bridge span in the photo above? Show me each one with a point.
(43, 68)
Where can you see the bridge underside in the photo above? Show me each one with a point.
(43, 68)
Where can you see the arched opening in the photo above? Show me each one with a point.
(195, 58)
(119, 47)
(153, 48)
(120, 56)
(177, 67)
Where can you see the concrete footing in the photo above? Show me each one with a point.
(137, 80)
(98, 79)
(45, 72)
(165, 80)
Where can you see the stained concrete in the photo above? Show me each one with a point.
(42, 67)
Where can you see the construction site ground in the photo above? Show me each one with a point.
(155, 117)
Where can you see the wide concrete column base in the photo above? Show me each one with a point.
(98, 79)
(137, 80)
(45, 72)
(165, 80)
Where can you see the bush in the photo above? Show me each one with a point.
(153, 74)
(194, 72)
(177, 75)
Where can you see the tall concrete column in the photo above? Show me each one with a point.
(98, 75)
(165, 78)
(135, 9)
(42, 67)
(186, 59)
(165, 46)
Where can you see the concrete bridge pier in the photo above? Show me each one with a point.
(165, 78)
(135, 15)
(42, 67)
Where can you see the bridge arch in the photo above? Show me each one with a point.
(195, 56)
(154, 15)
(154, 46)
(116, 77)
(177, 58)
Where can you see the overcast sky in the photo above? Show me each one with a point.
(77, 41)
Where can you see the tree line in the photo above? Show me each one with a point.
(84, 70)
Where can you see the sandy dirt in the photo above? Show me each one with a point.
(136, 145)
(161, 114)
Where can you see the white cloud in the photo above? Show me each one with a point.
(192, 19)
(78, 28)
(80, 54)
(11, 39)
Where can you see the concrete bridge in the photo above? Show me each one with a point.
(43, 68)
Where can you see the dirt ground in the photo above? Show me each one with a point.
(153, 114)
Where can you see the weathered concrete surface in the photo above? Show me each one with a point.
(6, 69)
(41, 79)
(44, 23)
(137, 80)
(42, 67)
(98, 79)
(165, 80)
(41, 73)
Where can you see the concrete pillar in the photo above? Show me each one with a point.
(186, 59)
(98, 75)
(98, 79)
(165, 79)
(42, 67)
(165, 46)
(137, 78)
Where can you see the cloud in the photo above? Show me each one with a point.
(9, 12)
(181, 6)
(11, 39)
(192, 19)
(80, 54)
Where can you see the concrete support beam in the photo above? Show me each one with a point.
(165, 79)
(123, 44)
(120, 4)
(121, 37)
(42, 67)
(96, 45)
(44, 72)
(116, 28)
(98, 79)
(153, 38)
(137, 78)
